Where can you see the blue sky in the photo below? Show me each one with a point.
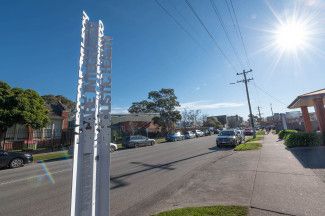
(40, 50)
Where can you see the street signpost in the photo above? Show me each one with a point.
(90, 181)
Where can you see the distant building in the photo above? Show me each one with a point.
(234, 121)
(294, 120)
(132, 123)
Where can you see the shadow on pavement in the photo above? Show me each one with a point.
(310, 157)
(119, 182)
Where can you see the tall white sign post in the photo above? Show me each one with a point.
(90, 181)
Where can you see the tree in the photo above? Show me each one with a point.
(212, 122)
(163, 102)
(19, 106)
(57, 100)
(192, 118)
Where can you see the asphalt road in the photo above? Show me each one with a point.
(139, 177)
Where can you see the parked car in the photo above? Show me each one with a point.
(14, 159)
(189, 135)
(227, 138)
(199, 133)
(207, 132)
(113, 147)
(216, 131)
(138, 141)
(241, 135)
(248, 132)
(175, 137)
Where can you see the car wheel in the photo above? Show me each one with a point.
(136, 145)
(17, 162)
(152, 143)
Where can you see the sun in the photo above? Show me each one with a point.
(291, 35)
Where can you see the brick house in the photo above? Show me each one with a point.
(22, 137)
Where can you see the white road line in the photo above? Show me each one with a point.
(32, 177)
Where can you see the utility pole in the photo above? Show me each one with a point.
(245, 81)
(259, 112)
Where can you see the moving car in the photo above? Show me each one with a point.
(189, 135)
(14, 159)
(199, 133)
(138, 141)
(175, 137)
(227, 138)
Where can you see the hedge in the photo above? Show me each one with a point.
(302, 139)
(282, 134)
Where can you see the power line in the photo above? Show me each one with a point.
(241, 36)
(209, 33)
(179, 24)
(171, 2)
(232, 20)
(267, 93)
(215, 9)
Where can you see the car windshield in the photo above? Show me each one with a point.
(227, 133)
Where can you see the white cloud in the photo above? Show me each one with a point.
(206, 105)
(119, 110)
(197, 88)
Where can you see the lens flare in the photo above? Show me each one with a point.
(47, 173)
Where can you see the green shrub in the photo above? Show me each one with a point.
(282, 134)
(301, 139)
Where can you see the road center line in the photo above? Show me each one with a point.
(31, 177)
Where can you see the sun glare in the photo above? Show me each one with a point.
(291, 35)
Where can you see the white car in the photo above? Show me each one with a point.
(199, 133)
(113, 147)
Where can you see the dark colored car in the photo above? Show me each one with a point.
(137, 141)
(228, 138)
(175, 137)
(14, 159)
(207, 132)
(248, 132)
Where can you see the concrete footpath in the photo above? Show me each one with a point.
(271, 181)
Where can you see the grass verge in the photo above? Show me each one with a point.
(51, 156)
(160, 140)
(208, 211)
(250, 144)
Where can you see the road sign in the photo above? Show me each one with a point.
(90, 183)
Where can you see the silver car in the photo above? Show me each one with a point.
(228, 138)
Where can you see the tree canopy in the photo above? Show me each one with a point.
(163, 102)
(58, 103)
(21, 106)
(212, 122)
